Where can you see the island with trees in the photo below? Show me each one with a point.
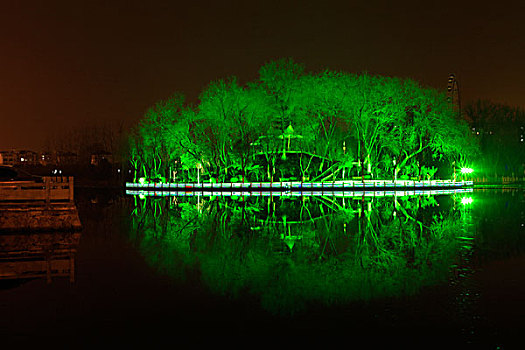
(293, 125)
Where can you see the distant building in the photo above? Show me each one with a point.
(26, 157)
(19, 157)
(100, 157)
(47, 158)
(10, 157)
(68, 158)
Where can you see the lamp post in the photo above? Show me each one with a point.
(344, 153)
(199, 167)
(395, 172)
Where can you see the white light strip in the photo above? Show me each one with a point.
(296, 193)
(299, 185)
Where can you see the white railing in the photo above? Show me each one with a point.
(347, 184)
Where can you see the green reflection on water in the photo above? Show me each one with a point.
(294, 251)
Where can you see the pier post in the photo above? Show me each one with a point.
(71, 187)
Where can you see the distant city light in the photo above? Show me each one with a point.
(467, 170)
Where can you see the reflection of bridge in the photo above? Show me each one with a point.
(302, 186)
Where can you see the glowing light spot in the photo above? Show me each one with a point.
(466, 200)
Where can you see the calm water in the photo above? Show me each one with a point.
(428, 270)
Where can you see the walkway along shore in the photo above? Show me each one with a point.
(301, 186)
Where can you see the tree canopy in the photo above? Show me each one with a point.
(293, 124)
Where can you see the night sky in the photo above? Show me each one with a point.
(70, 64)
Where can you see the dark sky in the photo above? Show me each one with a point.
(66, 64)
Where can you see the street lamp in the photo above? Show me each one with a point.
(466, 200)
(466, 171)
(395, 172)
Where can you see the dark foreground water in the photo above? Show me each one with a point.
(422, 272)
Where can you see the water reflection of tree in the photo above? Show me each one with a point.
(300, 250)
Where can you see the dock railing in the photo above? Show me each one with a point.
(51, 190)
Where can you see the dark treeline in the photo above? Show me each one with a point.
(500, 131)
(290, 124)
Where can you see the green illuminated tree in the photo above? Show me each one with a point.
(376, 108)
(280, 81)
(156, 141)
(234, 117)
(325, 95)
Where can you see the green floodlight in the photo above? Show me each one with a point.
(466, 200)
(467, 170)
